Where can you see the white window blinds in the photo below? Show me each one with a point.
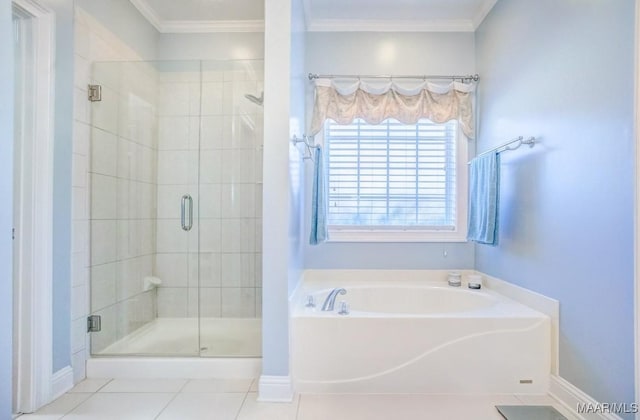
(392, 175)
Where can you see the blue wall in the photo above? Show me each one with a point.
(6, 210)
(297, 115)
(564, 71)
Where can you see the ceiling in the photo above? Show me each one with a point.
(320, 15)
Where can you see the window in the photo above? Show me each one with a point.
(395, 181)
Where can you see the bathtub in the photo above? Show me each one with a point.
(409, 332)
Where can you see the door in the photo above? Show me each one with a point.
(143, 176)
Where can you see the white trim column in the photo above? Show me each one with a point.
(34, 237)
(276, 210)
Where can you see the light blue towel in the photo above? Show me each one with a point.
(319, 201)
(484, 199)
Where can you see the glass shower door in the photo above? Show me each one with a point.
(143, 175)
(175, 213)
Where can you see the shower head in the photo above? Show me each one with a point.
(255, 99)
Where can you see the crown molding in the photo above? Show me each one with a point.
(379, 25)
(148, 13)
(483, 12)
(209, 26)
(200, 26)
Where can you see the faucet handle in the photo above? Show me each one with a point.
(344, 308)
(310, 302)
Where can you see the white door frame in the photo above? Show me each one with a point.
(33, 292)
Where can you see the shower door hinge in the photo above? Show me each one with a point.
(95, 93)
(94, 323)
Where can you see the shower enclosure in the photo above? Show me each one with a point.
(175, 205)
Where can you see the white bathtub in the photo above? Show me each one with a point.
(408, 332)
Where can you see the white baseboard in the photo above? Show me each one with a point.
(570, 396)
(61, 382)
(275, 389)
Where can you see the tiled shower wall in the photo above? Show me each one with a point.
(224, 180)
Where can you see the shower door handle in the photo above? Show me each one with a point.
(185, 202)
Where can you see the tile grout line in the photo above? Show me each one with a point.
(243, 402)
(109, 380)
(85, 400)
(254, 382)
(298, 406)
(180, 391)
(167, 405)
(75, 406)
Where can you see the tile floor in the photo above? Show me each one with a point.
(222, 399)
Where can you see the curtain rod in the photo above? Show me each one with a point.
(313, 76)
(531, 141)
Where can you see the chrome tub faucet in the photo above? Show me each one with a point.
(330, 301)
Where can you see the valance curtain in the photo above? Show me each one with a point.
(407, 102)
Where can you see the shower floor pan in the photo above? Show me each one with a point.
(219, 337)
